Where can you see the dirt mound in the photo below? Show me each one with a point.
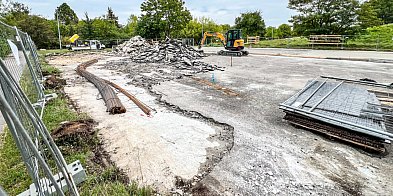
(70, 128)
(54, 82)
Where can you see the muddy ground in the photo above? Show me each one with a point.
(203, 140)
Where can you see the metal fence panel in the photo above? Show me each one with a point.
(20, 91)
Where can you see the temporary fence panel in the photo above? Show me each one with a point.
(21, 91)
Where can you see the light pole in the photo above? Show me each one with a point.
(58, 25)
(202, 32)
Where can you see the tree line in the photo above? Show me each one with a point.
(171, 18)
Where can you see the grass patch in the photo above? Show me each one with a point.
(46, 68)
(296, 42)
(57, 111)
(103, 177)
(13, 176)
(55, 51)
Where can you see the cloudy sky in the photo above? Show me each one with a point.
(275, 12)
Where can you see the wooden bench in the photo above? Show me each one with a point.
(327, 40)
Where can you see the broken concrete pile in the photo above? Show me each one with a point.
(152, 63)
(170, 52)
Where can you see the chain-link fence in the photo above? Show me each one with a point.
(21, 91)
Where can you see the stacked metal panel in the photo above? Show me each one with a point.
(344, 109)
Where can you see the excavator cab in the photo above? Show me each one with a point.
(234, 40)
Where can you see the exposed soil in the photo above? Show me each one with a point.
(54, 82)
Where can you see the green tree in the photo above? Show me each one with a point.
(384, 9)
(284, 31)
(150, 21)
(105, 30)
(368, 16)
(162, 17)
(14, 12)
(192, 30)
(85, 28)
(132, 23)
(324, 16)
(66, 14)
(272, 33)
(251, 23)
(112, 17)
(45, 37)
(225, 27)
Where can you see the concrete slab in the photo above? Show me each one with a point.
(153, 150)
(268, 157)
(271, 157)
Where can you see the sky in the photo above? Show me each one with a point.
(274, 12)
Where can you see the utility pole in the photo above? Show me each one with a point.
(58, 25)
(202, 32)
(272, 32)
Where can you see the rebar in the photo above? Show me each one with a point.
(141, 105)
(112, 101)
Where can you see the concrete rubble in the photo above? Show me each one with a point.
(147, 63)
(170, 52)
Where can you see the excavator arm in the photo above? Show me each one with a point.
(213, 34)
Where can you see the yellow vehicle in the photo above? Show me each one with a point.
(232, 41)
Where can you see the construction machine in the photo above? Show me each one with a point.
(232, 41)
(77, 44)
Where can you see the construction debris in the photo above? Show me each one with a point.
(112, 102)
(141, 105)
(342, 110)
(227, 91)
(151, 63)
(170, 52)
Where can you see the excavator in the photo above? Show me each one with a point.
(232, 41)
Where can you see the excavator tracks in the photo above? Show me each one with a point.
(334, 132)
(232, 53)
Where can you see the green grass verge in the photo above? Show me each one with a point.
(13, 176)
(296, 42)
(55, 51)
(102, 179)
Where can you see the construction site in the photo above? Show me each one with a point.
(275, 122)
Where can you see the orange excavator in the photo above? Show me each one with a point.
(232, 41)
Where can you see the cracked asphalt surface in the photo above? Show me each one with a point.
(269, 156)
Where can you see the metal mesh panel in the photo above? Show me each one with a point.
(20, 88)
(20, 62)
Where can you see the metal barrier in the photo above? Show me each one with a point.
(21, 92)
